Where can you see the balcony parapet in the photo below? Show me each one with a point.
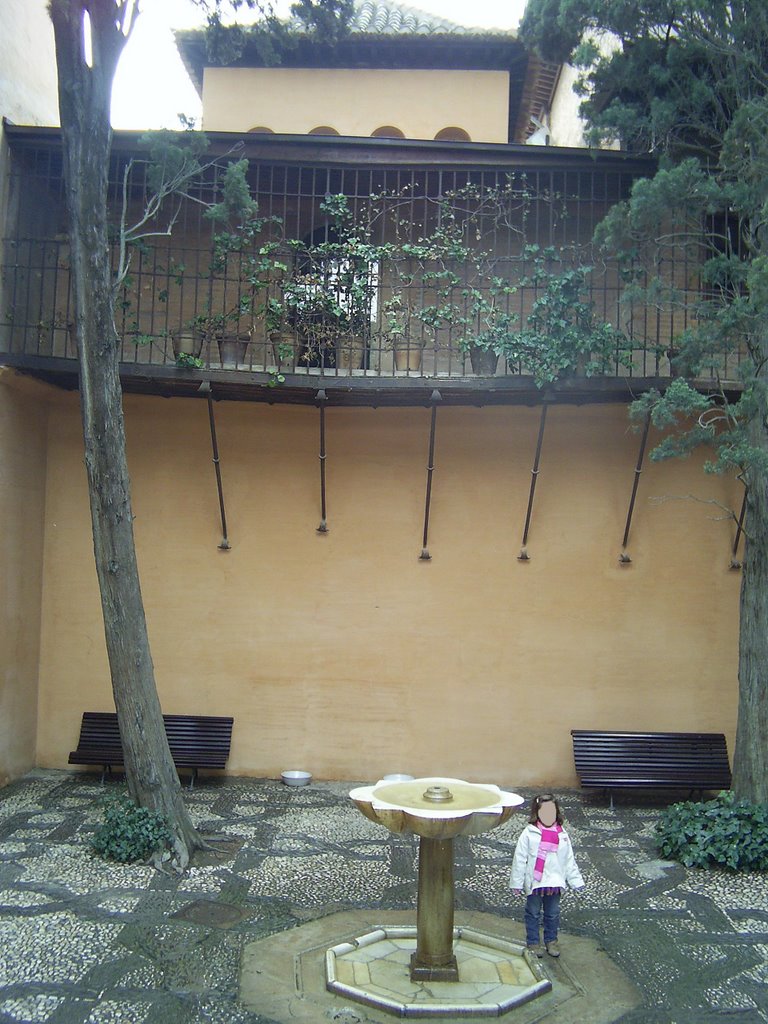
(231, 384)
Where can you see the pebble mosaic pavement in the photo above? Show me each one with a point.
(85, 942)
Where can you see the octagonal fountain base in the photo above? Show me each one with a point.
(494, 975)
(283, 976)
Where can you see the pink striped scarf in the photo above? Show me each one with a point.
(550, 840)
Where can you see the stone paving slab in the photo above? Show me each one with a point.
(86, 942)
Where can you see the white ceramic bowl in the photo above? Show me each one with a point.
(397, 777)
(296, 778)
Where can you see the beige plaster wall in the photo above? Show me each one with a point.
(566, 127)
(296, 100)
(344, 654)
(23, 441)
(28, 91)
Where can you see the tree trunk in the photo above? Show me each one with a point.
(84, 102)
(750, 759)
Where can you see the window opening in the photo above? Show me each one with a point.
(452, 134)
(331, 302)
(387, 131)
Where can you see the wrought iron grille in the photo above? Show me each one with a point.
(389, 309)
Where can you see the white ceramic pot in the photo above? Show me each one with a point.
(296, 778)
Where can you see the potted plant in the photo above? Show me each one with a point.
(330, 311)
(469, 299)
(492, 323)
(242, 266)
(403, 326)
(186, 342)
(404, 332)
(578, 343)
(443, 285)
(281, 340)
(329, 301)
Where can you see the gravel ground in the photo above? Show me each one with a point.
(86, 941)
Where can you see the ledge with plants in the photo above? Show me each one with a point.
(383, 278)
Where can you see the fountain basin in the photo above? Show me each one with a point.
(469, 809)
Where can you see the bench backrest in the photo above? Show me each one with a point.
(186, 733)
(195, 732)
(99, 729)
(696, 759)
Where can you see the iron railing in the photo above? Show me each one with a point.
(182, 305)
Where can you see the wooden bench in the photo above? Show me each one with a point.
(196, 741)
(696, 761)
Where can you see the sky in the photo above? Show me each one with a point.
(152, 88)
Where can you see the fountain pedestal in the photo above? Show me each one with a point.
(436, 810)
(434, 959)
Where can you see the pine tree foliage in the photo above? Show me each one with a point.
(688, 82)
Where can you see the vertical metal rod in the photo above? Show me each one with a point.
(735, 563)
(435, 398)
(524, 556)
(224, 546)
(323, 527)
(624, 557)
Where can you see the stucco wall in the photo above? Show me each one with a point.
(23, 423)
(28, 92)
(344, 654)
(357, 102)
(566, 127)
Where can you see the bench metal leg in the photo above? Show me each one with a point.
(192, 778)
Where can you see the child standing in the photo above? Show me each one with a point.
(542, 867)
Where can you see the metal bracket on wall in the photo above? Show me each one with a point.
(624, 558)
(735, 563)
(322, 398)
(524, 556)
(434, 398)
(205, 389)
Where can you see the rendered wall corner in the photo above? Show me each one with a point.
(23, 446)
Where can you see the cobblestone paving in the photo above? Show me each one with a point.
(84, 941)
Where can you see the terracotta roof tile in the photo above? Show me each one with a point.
(384, 17)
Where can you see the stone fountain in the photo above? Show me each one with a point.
(437, 810)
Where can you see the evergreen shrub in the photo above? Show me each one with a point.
(129, 833)
(726, 832)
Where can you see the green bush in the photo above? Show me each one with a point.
(129, 833)
(186, 361)
(728, 832)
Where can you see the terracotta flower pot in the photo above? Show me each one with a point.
(188, 343)
(283, 348)
(233, 349)
(484, 361)
(408, 354)
(349, 352)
